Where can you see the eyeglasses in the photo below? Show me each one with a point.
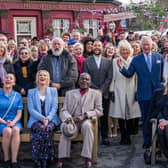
(24, 53)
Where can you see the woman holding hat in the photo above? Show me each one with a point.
(42, 106)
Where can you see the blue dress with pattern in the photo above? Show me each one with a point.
(5, 103)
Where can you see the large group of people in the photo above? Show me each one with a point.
(111, 79)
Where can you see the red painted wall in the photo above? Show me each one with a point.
(56, 10)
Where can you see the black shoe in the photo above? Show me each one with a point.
(106, 142)
(44, 163)
(125, 142)
(146, 145)
(37, 164)
(128, 141)
(147, 156)
(7, 164)
(15, 165)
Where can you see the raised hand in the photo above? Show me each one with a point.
(119, 62)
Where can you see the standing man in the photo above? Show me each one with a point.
(149, 69)
(76, 35)
(100, 70)
(61, 66)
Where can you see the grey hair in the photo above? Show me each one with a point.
(59, 39)
(148, 38)
(125, 44)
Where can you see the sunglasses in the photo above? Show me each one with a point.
(24, 53)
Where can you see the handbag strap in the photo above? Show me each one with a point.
(7, 111)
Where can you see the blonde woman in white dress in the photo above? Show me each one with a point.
(124, 106)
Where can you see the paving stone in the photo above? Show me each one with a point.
(113, 156)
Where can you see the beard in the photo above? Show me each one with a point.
(57, 53)
(97, 52)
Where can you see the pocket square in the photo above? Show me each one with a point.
(158, 61)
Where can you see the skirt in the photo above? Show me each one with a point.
(42, 142)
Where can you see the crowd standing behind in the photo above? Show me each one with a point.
(106, 60)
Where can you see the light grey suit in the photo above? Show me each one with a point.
(76, 104)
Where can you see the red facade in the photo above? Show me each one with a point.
(45, 12)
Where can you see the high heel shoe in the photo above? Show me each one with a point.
(37, 164)
(44, 163)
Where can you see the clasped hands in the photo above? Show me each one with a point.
(45, 121)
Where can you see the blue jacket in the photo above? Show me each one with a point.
(34, 106)
(147, 81)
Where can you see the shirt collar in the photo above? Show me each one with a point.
(150, 54)
(10, 94)
(97, 58)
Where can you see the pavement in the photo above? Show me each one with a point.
(113, 156)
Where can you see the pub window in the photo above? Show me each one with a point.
(24, 27)
(60, 25)
(91, 26)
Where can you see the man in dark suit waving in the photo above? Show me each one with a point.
(149, 69)
(100, 70)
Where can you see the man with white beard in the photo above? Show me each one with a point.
(61, 66)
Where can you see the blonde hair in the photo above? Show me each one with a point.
(48, 75)
(154, 47)
(6, 55)
(78, 44)
(125, 44)
(109, 45)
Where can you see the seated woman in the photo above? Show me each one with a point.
(10, 126)
(163, 121)
(42, 106)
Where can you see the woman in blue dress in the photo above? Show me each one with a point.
(10, 126)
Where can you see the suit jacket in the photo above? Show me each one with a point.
(75, 104)
(163, 108)
(102, 77)
(34, 106)
(147, 81)
(69, 71)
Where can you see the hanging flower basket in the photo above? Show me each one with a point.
(49, 29)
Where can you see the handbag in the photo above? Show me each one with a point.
(7, 111)
(112, 96)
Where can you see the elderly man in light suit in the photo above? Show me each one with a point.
(80, 105)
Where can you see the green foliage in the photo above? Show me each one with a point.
(148, 16)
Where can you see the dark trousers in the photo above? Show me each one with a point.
(135, 125)
(163, 139)
(125, 128)
(104, 119)
(146, 129)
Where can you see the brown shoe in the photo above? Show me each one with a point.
(60, 163)
(88, 163)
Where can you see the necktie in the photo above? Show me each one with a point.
(149, 64)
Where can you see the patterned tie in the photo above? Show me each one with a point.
(148, 61)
